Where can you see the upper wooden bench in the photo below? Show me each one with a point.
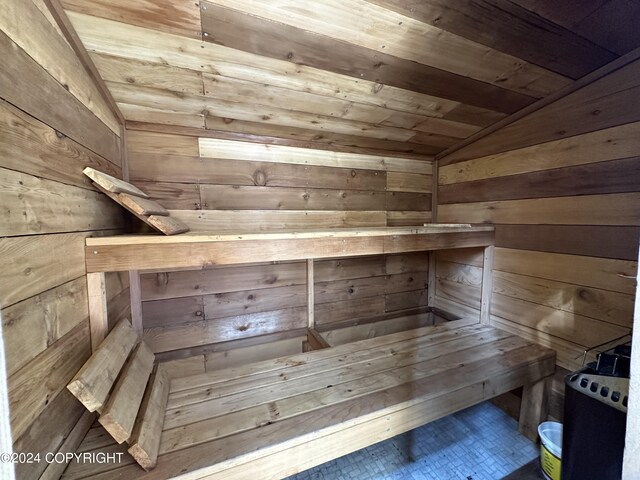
(274, 418)
(198, 250)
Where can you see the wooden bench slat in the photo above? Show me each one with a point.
(119, 415)
(145, 439)
(312, 373)
(142, 206)
(113, 184)
(94, 380)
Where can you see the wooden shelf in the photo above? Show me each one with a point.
(198, 250)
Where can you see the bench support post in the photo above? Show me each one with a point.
(310, 295)
(98, 316)
(487, 286)
(534, 408)
(136, 300)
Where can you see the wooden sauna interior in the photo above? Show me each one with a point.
(340, 128)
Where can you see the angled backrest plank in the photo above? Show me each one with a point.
(94, 380)
(119, 415)
(145, 439)
(142, 206)
(113, 184)
(168, 225)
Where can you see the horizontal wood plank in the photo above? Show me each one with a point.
(67, 114)
(332, 34)
(601, 145)
(595, 240)
(614, 209)
(35, 206)
(614, 176)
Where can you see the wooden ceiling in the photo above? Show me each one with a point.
(400, 76)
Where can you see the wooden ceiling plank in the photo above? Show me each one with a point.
(509, 28)
(403, 85)
(180, 80)
(614, 26)
(266, 38)
(233, 150)
(53, 53)
(296, 138)
(180, 17)
(360, 23)
(148, 74)
(196, 104)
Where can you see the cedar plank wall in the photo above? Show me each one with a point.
(562, 186)
(53, 123)
(220, 186)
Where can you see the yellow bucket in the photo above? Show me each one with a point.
(550, 449)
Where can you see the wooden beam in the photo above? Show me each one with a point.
(432, 280)
(61, 18)
(315, 340)
(98, 317)
(534, 408)
(631, 462)
(191, 250)
(310, 295)
(135, 295)
(487, 285)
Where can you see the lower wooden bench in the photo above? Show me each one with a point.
(275, 418)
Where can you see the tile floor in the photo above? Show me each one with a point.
(479, 443)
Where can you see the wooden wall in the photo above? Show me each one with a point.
(53, 123)
(562, 186)
(220, 185)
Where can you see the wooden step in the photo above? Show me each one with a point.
(119, 415)
(145, 439)
(94, 381)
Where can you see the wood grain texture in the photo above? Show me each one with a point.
(51, 51)
(595, 240)
(399, 40)
(235, 197)
(33, 147)
(29, 327)
(68, 115)
(142, 206)
(601, 145)
(93, 382)
(251, 221)
(229, 172)
(32, 205)
(610, 101)
(513, 27)
(179, 18)
(614, 176)
(113, 184)
(145, 439)
(227, 149)
(119, 414)
(224, 26)
(616, 209)
(41, 380)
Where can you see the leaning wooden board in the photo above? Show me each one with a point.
(137, 202)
